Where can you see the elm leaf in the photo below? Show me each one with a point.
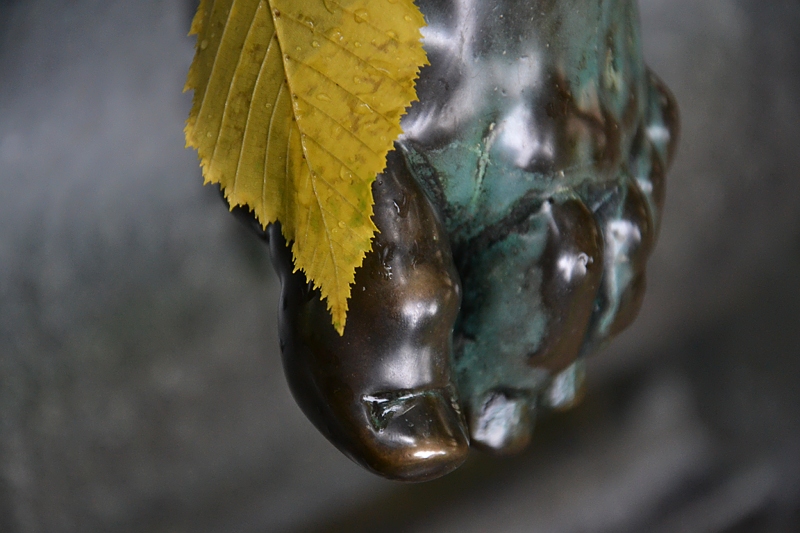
(296, 104)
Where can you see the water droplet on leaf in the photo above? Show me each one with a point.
(346, 174)
(336, 34)
(363, 109)
(401, 206)
(361, 15)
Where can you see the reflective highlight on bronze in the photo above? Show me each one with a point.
(382, 392)
(532, 174)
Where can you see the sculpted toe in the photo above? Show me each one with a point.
(414, 436)
(382, 391)
(503, 423)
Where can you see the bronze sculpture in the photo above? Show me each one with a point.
(527, 188)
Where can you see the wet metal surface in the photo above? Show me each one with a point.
(140, 375)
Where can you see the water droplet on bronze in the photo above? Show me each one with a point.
(385, 255)
(414, 254)
(203, 44)
(324, 97)
(315, 44)
(401, 205)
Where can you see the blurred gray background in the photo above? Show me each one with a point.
(140, 383)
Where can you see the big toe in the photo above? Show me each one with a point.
(416, 436)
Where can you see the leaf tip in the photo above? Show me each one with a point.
(197, 22)
(339, 327)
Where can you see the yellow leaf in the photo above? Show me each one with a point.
(296, 104)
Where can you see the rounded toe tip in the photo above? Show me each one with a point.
(417, 437)
(503, 425)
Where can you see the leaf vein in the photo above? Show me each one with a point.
(344, 127)
(334, 189)
(234, 78)
(366, 22)
(328, 235)
(269, 144)
(346, 226)
(286, 176)
(384, 117)
(347, 50)
(213, 69)
(225, 115)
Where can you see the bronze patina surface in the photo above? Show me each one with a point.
(530, 176)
